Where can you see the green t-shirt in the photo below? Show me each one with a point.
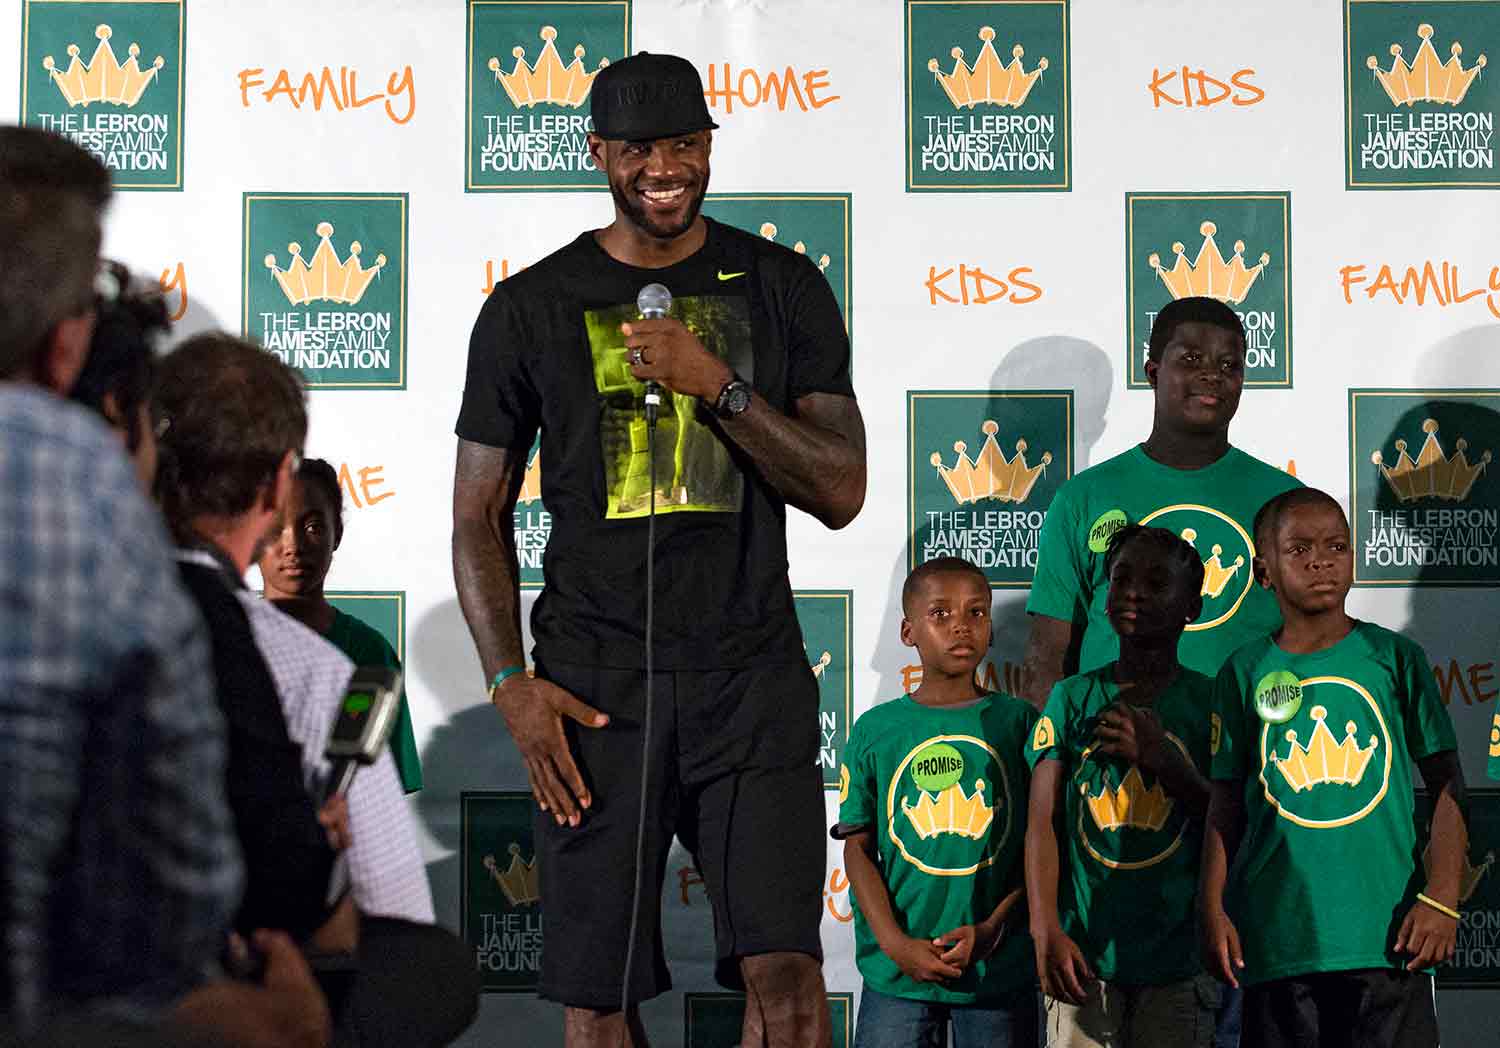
(1213, 508)
(366, 647)
(1130, 871)
(945, 792)
(1495, 747)
(1328, 864)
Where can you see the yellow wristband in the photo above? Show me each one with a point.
(1439, 907)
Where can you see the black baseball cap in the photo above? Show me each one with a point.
(647, 96)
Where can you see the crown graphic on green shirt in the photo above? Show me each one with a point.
(951, 811)
(1323, 759)
(1215, 574)
(1131, 804)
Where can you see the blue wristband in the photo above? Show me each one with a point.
(504, 675)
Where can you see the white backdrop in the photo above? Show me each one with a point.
(1071, 336)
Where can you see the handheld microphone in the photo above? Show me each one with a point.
(653, 302)
(363, 726)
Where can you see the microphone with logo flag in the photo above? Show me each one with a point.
(653, 302)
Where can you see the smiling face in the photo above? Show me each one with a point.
(1147, 600)
(1309, 563)
(296, 561)
(658, 185)
(1198, 378)
(947, 620)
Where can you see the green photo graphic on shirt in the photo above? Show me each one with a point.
(716, 1020)
(384, 611)
(1423, 502)
(818, 225)
(1329, 765)
(826, 618)
(533, 524)
(694, 471)
(501, 889)
(1127, 821)
(1226, 550)
(108, 74)
(324, 285)
(986, 505)
(988, 95)
(530, 65)
(1476, 955)
(1419, 105)
(942, 801)
(1235, 247)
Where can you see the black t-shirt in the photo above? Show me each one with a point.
(547, 355)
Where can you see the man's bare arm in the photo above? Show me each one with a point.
(1052, 649)
(815, 460)
(485, 485)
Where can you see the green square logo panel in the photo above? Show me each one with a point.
(1419, 106)
(988, 96)
(982, 467)
(1423, 502)
(501, 889)
(827, 621)
(1235, 247)
(108, 74)
(324, 285)
(529, 70)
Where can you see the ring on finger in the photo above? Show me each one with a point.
(637, 356)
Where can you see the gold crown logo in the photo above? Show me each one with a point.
(1215, 575)
(990, 475)
(1427, 79)
(548, 80)
(1209, 274)
(988, 80)
(519, 881)
(104, 79)
(768, 230)
(531, 483)
(822, 664)
(1432, 473)
(1322, 759)
(951, 811)
(1131, 804)
(326, 278)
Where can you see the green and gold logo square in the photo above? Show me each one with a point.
(1476, 959)
(325, 285)
(827, 620)
(1235, 247)
(982, 467)
(384, 611)
(818, 225)
(108, 75)
(716, 1020)
(1418, 111)
(1424, 504)
(988, 96)
(501, 889)
(533, 524)
(529, 69)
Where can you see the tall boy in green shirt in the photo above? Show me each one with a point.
(932, 809)
(1326, 916)
(1120, 754)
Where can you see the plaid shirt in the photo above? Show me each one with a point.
(119, 868)
(386, 872)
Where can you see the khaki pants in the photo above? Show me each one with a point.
(1174, 1015)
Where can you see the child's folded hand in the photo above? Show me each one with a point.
(963, 946)
(922, 960)
(1130, 733)
(1428, 935)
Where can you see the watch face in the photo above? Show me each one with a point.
(738, 399)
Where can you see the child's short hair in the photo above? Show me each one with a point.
(935, 567)
(1268, 517)
(1199, 309)
(1182, 558)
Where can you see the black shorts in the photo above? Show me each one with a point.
(1365, 1008)
(733, 775)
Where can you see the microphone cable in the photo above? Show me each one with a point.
(640, 827)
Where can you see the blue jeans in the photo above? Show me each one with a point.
(896, 1022)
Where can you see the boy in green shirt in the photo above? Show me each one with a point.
(1118, 754)
(932, 807)
(1333, 930)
